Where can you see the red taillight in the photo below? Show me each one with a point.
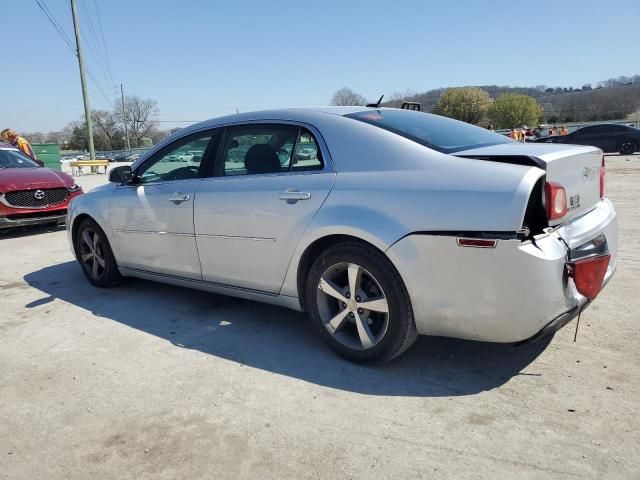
(588, 275)
(603, 171)
(556, 200)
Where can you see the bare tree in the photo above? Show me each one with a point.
(397, 98)
(36, 137)
(346, 96)
(108, 124)
(141, 118)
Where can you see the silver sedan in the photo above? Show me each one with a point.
(402, 223)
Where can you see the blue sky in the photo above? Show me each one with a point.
(200, 59)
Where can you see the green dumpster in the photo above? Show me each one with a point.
(48, 153)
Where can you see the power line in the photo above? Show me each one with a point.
(98, 64)
(53, 21)
(45, 10)
(104, 44)
(96, 46)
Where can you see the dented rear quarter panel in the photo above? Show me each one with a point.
(382, 201)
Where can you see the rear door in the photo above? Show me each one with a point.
(268, 182)
(152, 219)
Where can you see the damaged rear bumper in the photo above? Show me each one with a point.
(518, 291)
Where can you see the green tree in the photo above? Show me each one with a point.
(514, 110)
(468, 104)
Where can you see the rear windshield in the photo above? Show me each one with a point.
(439, 133)
(11, 158)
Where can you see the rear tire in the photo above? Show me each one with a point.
(627, 147)
(373, 324)
(95, 255)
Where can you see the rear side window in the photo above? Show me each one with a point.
(439, 133)
(307, 155)
(593, 130)
(267, 149)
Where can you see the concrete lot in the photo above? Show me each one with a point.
(152, 381)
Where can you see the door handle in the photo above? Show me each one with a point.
(179, 197)
(292, 195)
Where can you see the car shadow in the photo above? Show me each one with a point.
(27, 231)
(281, 341)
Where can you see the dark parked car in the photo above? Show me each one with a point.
(608, 137)
(120, 157)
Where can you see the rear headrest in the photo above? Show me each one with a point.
(262, 158)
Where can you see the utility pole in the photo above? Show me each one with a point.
(83, 82)
(124, 119)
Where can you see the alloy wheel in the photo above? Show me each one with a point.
(352, 306)
(92, 253)
(627, 148)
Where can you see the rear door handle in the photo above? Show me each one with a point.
(292, 195)
(179, 197)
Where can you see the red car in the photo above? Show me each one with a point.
(31, 194)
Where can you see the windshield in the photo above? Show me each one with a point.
(11, 158)
(442, 134)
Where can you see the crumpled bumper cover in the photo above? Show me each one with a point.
(507, 294)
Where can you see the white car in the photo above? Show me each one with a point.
(405, 223)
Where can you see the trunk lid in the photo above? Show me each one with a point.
(576, 168)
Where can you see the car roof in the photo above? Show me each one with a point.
(294, 113)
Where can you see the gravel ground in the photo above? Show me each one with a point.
(153, 381)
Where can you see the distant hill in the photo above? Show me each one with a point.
(610, 99)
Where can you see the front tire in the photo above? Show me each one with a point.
(359, 304)
(95, 255)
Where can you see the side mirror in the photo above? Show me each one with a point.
(121, 174)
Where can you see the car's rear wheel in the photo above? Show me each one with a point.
(359, 303)
(95, 255)
(627, 147)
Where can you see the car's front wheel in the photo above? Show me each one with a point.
(359, 303)
(95, 255)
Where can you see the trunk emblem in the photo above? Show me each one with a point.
(574, 202)
(38, 194)
(589, 172)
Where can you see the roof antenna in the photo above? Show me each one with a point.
(376, 105)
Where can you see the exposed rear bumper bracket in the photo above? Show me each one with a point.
(554, 325)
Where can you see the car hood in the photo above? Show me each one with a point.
(28, 178)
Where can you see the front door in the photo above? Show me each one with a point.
(152, 218)
(269, 182)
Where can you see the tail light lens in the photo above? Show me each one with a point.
(588, 275)
(603, 171)
(556, 200)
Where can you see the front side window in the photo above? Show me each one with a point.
(179, 161)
